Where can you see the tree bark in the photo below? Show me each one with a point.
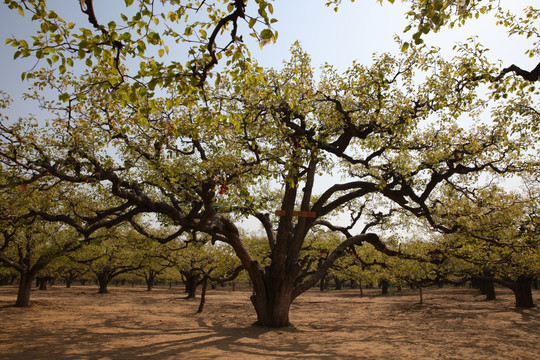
(322, 283)
(485, 284)
(203, 295)
(25, 287)
(487, 288)
(42, 283)
(273, 311)
(384, 286)
(103, 281)
(523, 292)
(337, 283)
(191, 281)
(150, 278)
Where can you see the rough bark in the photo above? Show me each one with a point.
(273, 311)
(103, 281)
(25, 287)
(487, 288)
(191, 281)
(384, 286)
(150, 278)
(42, 281)
(522, 289)
(203, 295)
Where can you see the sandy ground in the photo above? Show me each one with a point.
(131, 323)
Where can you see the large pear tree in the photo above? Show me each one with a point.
(161, 142)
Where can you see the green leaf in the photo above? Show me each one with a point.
(266, 34)
(404, 47)
(252, 22)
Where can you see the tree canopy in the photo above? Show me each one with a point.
(197, 146)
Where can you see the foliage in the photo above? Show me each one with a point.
(151, 137)
(498, 230)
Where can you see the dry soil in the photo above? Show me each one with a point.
(132, 323)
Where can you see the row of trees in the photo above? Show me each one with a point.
(496, 244)
(40, 250)
(136, 137)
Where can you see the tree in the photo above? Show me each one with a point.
(199, 262)
(28, 244)
(69, 271)
(114, 253)
(256, 141)
(498, 233)
(158, 259)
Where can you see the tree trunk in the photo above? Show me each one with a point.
(191, 285)
(322, 283)
(486, 286)
(42, 283)
(337, 283)
(523, 292)
(25, 286)
(384, 286)
(273, 311)
(203, 295)
(103, 281)
(150, 278)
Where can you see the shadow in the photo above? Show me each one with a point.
(136, 325)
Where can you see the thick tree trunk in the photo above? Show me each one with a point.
(42, 283)
(25, 287)
(486, 285)
(103, 282)
(487, 288)
(191, 285)
(523, 292)
(273, 311)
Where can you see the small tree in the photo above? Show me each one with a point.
(112, 254)
(28, 244)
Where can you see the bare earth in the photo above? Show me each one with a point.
(131, 323)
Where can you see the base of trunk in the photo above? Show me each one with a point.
(523, 293)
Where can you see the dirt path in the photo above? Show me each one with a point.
(131, 323)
